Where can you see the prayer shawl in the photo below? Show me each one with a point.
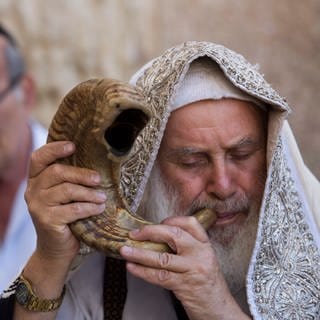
(283, 281)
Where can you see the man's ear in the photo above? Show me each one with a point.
(28, 91)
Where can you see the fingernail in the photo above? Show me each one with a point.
(101, 207)
(68, 147)
(101, 196)
(126, 250)
(134, 232)
(95, 178)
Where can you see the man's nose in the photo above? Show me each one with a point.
(220, 181)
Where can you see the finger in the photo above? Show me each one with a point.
(48, 154)
(59, 173)
(177, 239)
(158, 260)
(189, 224)
(160, 277)
(67, 192)
(65, 214)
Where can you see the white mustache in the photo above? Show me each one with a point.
(234, 204)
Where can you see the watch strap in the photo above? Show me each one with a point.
(26, 297)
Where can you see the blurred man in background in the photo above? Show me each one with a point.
(19, 135)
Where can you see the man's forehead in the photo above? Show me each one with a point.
(230, 120)
(197, 107)
(189, 149)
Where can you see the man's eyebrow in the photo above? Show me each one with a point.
(244, 142)
(186, 151)
(183, 151)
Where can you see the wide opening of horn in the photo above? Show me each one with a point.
(124, 130)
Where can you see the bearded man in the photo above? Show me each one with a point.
(217, 139)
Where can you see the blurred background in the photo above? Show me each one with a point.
(66, 42)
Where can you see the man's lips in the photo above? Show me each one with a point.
(226, 217)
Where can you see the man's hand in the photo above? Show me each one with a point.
(192, 272)
(57, 195)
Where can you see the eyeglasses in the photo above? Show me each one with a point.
(14, 63)
(13, 82)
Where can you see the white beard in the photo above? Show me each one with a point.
(234, 258)
(161, 201)
(156, 204)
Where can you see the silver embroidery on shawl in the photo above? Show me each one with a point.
(159, 83)
(286, 275)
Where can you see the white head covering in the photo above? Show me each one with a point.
(205, 80)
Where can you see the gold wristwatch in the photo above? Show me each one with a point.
(26, 297)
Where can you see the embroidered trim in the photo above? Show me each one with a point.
(286, 275)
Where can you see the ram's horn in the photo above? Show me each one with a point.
(103, 118)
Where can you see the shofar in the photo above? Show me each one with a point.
(103, 117)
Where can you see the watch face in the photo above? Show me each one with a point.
(22, 293)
